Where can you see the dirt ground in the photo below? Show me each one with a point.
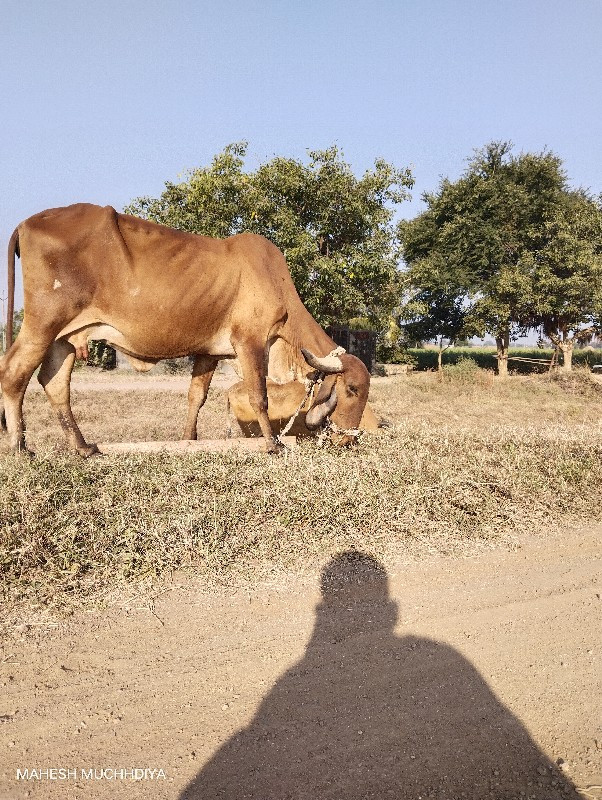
(126, 381)
(440, 677)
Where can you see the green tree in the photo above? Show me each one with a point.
(211, 200)
(17, 322)
(479, 238)
(567, 274)
(102, 355)
(336, 230)
(432, 313)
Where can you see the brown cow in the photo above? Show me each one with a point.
(153, 293)
(283, 401)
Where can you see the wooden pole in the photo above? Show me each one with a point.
(188, 446)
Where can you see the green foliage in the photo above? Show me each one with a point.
(102, 355)
(391, 353)
(567, 270)
(506, 247)
(434, 312)
(392, 345)
(17, 322)
(388, 352)
(210, 201)
(178, 366)
(466, 372)
(425, 358)
(336, 230)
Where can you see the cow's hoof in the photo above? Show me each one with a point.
(23, 452)
(274, 448)
(88, 450)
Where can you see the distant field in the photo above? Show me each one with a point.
(469, 459)
(485, 357)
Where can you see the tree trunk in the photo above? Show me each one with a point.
(440, 358)
(554, 363)
(566, 348)
(503, 344)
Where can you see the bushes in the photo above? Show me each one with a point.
(178, 366)
(425, 358)
(102, 355)
(578, 381)
(466, 372)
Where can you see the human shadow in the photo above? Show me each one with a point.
(368, 714)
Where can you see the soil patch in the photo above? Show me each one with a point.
(437, 678)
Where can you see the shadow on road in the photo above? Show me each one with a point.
(367, 714)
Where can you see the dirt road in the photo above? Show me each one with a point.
(443, 678)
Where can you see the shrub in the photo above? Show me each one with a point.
(178, 366)
(485, 357)
(466, 372)
(101, 355)
(578, 381)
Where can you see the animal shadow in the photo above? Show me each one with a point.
(368, 714)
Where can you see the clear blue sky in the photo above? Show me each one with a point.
(103, 101)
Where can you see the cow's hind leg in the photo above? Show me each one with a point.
(55, 377)
(2, 411)
(16, 369)
(254, 364)
(202, 372)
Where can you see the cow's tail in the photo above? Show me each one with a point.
(13, 250)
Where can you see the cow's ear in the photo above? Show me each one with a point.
(352, 390)
(318, 412)
(326, 388)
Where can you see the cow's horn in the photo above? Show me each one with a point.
(318, 413)
(328, 364)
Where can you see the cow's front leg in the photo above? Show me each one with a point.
(55, 377)
(202, 373)
(253, 361)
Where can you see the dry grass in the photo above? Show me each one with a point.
(482, 400)
(469, 458)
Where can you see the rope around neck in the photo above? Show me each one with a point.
(317, 380)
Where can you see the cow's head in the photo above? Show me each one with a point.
(343, 393)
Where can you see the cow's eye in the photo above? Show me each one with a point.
(352, 389)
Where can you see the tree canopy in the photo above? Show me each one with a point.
(506, 247)
(337, 231)
(567, 273)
